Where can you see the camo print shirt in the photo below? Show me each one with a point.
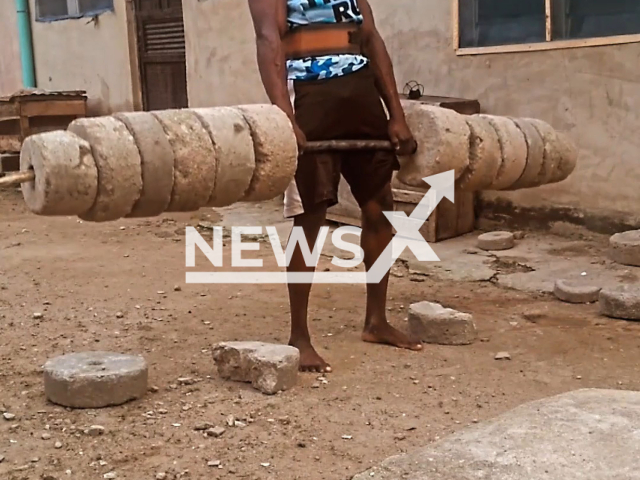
(305, 12)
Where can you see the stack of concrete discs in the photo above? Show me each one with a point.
(143, 164)
(487, 152)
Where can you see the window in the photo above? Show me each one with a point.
(49, 10)
(545, 24)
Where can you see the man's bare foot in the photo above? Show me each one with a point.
(310, 361)
(387, 335)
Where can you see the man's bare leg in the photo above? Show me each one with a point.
(300, 338)
(377, 233)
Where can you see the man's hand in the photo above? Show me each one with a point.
(401, 136)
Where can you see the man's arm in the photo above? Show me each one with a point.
(270, 24)
(378, 55)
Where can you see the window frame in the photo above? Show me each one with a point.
(549, 44)
(73, 12)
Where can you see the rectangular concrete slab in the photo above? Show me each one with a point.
(582, 435)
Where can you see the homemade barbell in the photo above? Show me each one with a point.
(142, 164)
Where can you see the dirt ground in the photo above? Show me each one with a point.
(120, 287)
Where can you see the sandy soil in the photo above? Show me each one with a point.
(120, 287)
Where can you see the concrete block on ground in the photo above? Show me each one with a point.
(624, 248)
(576, 291)
(432, 323)
(496, 241)
(621, 302)
(269, 368)
(582, 435)
(95, 379)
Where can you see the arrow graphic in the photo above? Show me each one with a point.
(408, 227)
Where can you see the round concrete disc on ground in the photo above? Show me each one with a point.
(66, 180)
(95, 379)
(275, 148)
(576, 291)
(513, 146)
(496, 241)
(194, 173)
(119, 167)
(552, 156)
(568, 154)
(624, 248)
(485, 156)
(443, 143)
(535, 155)
(621, 302)
(157, 163)
(235, 158)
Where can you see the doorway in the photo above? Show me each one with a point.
(161, 54)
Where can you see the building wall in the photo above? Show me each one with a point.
(84, 55)
(591, 93)
(10, 67)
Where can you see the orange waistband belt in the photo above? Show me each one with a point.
(322, 39)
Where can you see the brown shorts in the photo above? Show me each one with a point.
(343, 108)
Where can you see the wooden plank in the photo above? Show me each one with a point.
(9, 110)
(548, 22)
(24, 128)
(134, 64)
(9, 163)
(553, 45)
(429, 228)
(447, 217)
(10, 143)
(407, 196)
(54, 108)
(456, 24)
(463, 106)
(465, 202)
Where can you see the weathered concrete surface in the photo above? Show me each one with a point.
(269, 368)
(95, 379)
(576, 291)
(624, 248)
(10, 66)
(432, 323)
(581, 435)
(533, 265)
(622, 301)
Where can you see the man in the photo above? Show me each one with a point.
(325, 65)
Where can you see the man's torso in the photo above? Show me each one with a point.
(305, 12)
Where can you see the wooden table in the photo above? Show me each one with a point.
(449, 219)
(35, 111)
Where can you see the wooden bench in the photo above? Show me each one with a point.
(35, 111)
